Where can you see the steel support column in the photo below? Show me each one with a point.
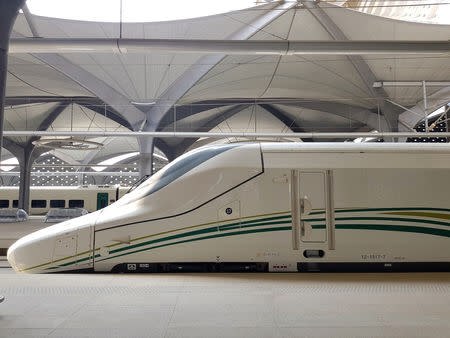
(8, 14)
(26, 158)
(25, 163)
(3, 74)
(146, 147)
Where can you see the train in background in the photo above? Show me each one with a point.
(279, 207)
(42, 199)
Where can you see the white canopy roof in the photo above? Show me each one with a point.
(326, 93)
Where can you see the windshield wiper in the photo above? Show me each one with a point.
(138, 183)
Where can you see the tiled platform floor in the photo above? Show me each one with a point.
(225, 305)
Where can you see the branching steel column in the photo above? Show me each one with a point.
(49, 119)
(8, 14)
(29, 153)
(30, 21)
(361, 66)
(105, 92)
(146, 148)
(26, 162)
(3, 75)
(125, 110)
(26, 155)
(97, 87)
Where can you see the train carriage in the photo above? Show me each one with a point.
(42, 199)
(265, 207)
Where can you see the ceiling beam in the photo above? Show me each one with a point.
(378, 84)
(230, 46)
(21, 100)
(151, 134)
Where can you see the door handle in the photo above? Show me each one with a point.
(305, 206)
(305, 229)
(305, 209)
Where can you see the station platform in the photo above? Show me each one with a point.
(220, 304)
(225, 305)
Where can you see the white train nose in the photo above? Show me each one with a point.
(30, 253)
(11, 257)
(61, 247)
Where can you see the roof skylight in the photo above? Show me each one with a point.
(134, 10)
(114, 160)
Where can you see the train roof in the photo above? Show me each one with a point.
(79, 187)
(350, 155)
(330, 147)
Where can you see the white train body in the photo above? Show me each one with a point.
(42, 199)
(274, 206)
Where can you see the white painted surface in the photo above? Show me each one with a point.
(225, 305)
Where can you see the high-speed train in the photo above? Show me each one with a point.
(42, 199)
(265, 207)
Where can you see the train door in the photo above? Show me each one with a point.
(312, 209)
(75, 244)
(102, 200)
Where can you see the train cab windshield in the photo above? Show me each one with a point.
(138, 183)
(176, 169)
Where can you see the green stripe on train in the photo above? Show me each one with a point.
(379, 209)
(391, 219)
(401, 228)
(384, 227)
(202, 238)
(190, 233)
(287, 218)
